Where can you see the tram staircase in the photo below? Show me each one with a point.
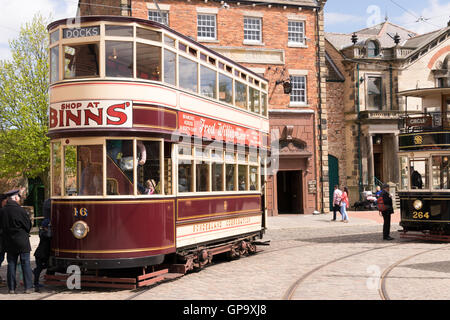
(377, 182)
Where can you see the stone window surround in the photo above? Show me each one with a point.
(368, 75)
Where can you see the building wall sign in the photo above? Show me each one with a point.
(81, 32)
(91, 114)
(312, 186)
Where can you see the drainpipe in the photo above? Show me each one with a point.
(358, 109)
(320, 113)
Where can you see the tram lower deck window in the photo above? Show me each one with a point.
(81, 61)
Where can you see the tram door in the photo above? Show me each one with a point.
(290, 192)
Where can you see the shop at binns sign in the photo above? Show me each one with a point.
(91, 113)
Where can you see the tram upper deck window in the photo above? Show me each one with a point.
(54, 36)
(148, 34)
(264, 103)
(419, 173)
(148, 62)
(119, 59)
(83, 170)
(241, 95)
(441, 172)
(54, 64)
(169, 41)
(119, 31)
(254, 99)
(188, 74)
(170, 59)
(225, 89)
(81, 60)
(208, 82)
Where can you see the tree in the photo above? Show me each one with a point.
(24, 146)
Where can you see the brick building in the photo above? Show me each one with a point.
(282, 40)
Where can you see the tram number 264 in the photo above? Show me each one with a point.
(421, 215)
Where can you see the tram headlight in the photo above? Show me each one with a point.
(418, 204)
(80, 229)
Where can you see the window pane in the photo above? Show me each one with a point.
(230, 170)
(206, 26)
(254, 99)
(185, 181)
(230, 156)
(54, 64)
(253, 178)
(241, 95)
(56, 167)
(296, 32)
(264, 103)
(441, 172)
(81, 61)
(148, 62)
(375, 90)
(169, 41)
(119, 59)
(54, 36)
(298, 93)
(168, 182)
(252, 29)
(185, 150)
(242, 177)
(169, 67)
(188, 74)
(208, 82)
(83, 174)
(419, 173)
(148, 34)
(202, 177)
(149, 167)
(404, 174)
(154, 16)
(119, 167)
(373, 49)
(119, 31)
(225, 89)
(217, 177)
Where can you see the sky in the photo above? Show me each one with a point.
(421, 16)
(343, 16)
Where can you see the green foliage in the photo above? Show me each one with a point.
(24, 146)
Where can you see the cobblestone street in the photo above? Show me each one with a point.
(310, 257)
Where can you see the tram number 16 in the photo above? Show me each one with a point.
(82, 212)
(421, 215)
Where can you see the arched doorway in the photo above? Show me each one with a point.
(333, 175)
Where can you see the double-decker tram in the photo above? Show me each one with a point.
(158, 149)
(424, 155)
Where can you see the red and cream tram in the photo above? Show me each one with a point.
(158, 147)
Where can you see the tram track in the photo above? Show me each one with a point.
(384, 276)
(288, 295)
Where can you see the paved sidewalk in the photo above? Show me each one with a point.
(356, 218)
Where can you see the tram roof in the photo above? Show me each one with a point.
(424, 92)
(151, 24)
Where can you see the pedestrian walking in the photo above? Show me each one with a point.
(386, 209)
(337, 198)
(16, 229)
(345, 204)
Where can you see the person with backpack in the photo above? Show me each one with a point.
(386, 209)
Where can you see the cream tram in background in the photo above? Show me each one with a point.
(158, 147)
(424, 155)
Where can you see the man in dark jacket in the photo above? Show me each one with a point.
(387, 200)
(16, 228)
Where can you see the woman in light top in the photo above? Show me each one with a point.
(345, 205)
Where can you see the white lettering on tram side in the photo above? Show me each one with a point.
(103, 113)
